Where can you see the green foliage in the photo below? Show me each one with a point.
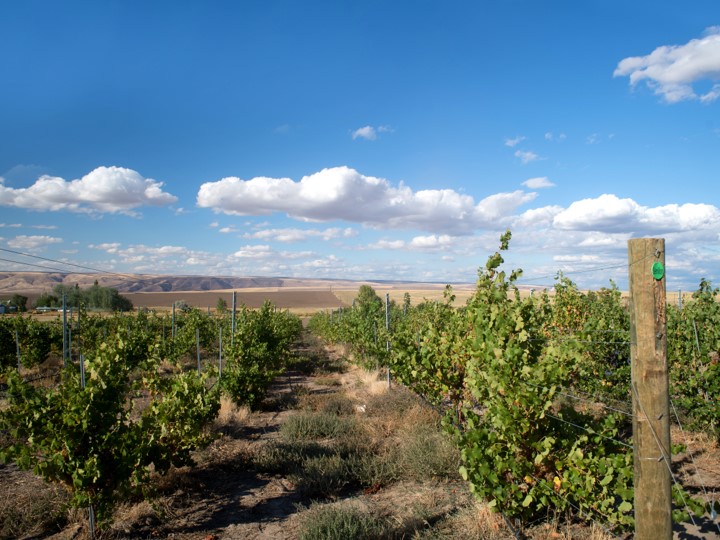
(694, 358)
(259, 352)
(518, 452)
(324, 522)
(502, 367)
(95, 297)
(18, 302)
(91, 440)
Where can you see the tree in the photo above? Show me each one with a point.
(47, 300)
(221, 305)
(19, 301)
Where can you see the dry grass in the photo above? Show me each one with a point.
(29, 507)
(231, 416)
(358, 384)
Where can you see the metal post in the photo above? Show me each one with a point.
(197, 346)
(233, 320)
(220, 358)
(17, 348)
(651, 410)
(65, 343)
(387, 329)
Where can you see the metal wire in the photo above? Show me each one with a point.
(665, 452)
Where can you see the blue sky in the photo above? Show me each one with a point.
(360, 140)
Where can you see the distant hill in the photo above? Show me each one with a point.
(33, 283)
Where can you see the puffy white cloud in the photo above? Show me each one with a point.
(370, 133)
(537, 217)
(672, 70)
(105, 189)
(32, 243)
(538, 183)
(609, 213)
(342, 193)
(527, 157)
(367, 132)
(433, 242)
(515, 141)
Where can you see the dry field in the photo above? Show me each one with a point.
(300, 300)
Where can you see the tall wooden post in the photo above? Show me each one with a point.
(651, 415)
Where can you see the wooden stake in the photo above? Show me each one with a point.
(651, 414)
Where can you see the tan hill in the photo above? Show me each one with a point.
(35, 283)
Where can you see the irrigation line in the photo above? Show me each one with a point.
(665, 453)
(591, 432)
(692, 458)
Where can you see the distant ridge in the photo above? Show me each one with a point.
(35, 283)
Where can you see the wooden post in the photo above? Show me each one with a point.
(651, 414)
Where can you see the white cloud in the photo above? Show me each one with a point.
(105, 189)
(537, 217)
(341, 193)
(10, 225)
(672, 70)
(550, 136)
(432, 242)
(538, 183)
(254, 252)
(605, 240)
(109, 247)
(515, 141)
(527, 157)
(608, 213)
(299, 235)
(577, 258)
(32, 243)
(388, 244)
(367, 132)
(370, 133)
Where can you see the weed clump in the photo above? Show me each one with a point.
(326, 522)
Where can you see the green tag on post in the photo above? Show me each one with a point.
(658, 270)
